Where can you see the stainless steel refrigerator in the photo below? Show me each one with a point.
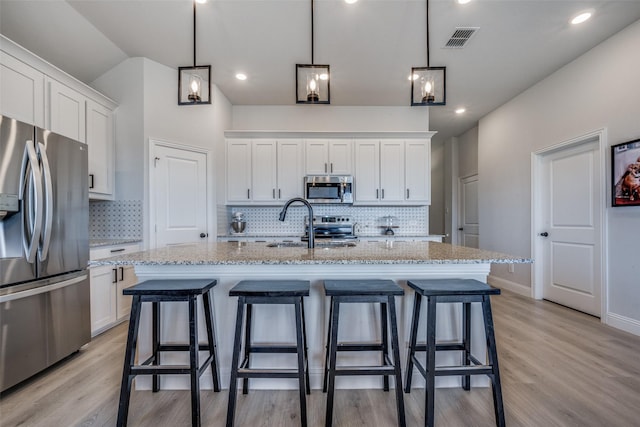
(44, 249)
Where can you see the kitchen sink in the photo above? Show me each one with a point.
(318, 245)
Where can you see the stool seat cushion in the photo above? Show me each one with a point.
(361, 287)
(451, 287)
(271, 288)
(171, 287)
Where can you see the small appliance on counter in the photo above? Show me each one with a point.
(331, 227)
(388, 223)
(238, 224)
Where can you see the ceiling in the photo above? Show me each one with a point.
(370, 45)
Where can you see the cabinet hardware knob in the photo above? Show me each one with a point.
(544, 234)
(91, 179)
(203, 235)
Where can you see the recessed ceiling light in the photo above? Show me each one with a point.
(350, 1)
(463, 1)
(241, 76)
(460, 110)
(201, 1)
(579, 19)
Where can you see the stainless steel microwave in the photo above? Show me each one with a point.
(332, 189)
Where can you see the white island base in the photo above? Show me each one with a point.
(275, 324)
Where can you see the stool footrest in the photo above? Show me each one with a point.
(181, 347)
(479, 369)
(273, 349)
(267, 373)
(359, 347)
(160, 369)
(366, 370)
(454, 346)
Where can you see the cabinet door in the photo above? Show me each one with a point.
(238, 170)
(126, 278)
(316, 157)
(391, 171)
(263, 170)
(66, 111)
(100, 142)
(418, 172)
(340, 157)
(22, 89)
(367, 172)
(290, 169)
(103, 298)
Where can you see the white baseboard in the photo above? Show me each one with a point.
(517, 288)
(624, 323)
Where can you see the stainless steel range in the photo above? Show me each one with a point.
(336, 227)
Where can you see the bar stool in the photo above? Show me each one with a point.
(463, 291)
(252, 292)
(359, 291)
(155, 292)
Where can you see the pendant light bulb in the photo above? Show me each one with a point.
(312, 85)
(194, 85)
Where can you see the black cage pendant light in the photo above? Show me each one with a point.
(428, 84)
(312, 80)
(194, 83)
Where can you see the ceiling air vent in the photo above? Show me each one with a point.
(460, 37)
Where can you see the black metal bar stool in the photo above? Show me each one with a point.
(463, 291)
(155, 292)
(367, 291)
(252, 292)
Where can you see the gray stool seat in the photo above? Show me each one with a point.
(363, 291)
(156, 292)
(465, 291)
(250, 292)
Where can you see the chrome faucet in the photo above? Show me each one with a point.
(283, 214)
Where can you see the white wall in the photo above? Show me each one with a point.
(437, 208)
(329, 118)
(124, 84)
(468, 153)
(146, 92)
(598, 90)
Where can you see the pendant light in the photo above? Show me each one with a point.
(312, 80)
(428, 84)
(194, 83)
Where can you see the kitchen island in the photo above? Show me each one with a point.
(230, 262)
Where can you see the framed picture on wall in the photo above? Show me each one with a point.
(625, 168)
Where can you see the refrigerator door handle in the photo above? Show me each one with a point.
(48, 203)
(31, 184)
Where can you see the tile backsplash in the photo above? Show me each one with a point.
(412, 220)
(118, 219)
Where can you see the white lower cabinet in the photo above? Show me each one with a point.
(108, 306)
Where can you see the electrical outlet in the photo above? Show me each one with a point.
(511, 268)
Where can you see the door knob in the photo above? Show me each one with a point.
(203, 235)
(544, 234)
(461, 228)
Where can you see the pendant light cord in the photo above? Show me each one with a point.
(312, 6)
(194, 33)
(427, 33)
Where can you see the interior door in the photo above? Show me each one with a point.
(469, 221)
(571, 236)
(179, 195)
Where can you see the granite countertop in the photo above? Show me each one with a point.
(243, 253)
(96, 243)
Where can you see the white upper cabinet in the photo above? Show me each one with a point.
(333, 157)
(264, 171)
(21, 91)
(392, 172)
(367, 172)
(290, 169)
(67, 111)
(418, 172)
(101, 150)
(239, 170)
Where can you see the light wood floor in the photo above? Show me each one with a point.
(559, 368)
